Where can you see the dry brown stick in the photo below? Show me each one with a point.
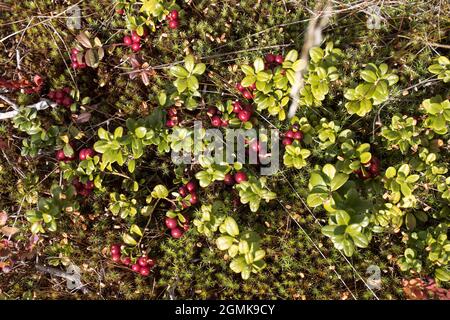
(7, 100)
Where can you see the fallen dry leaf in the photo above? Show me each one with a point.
(82, 117)
(9, 231)
(3, 218)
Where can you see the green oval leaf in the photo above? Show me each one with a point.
(368, 76)
(179, 72)
(231, 226)
(259, 65)
(140, 132)
(338, 181)
(135, 229)
(160, 191)
(129, 239)
(199, 69)
(224, 242)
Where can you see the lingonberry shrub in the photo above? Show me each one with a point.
(150, 14)
(243, 247)
(270, 87)
(441, 68)
(374, 91)
(186, 81)
(368, 166)
(87, 52)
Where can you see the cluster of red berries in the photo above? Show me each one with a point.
(189, 188)
(174, 119)
(243, 112)
(291, 135)
(61, 156)
(273, 60)
(134, 41)
(246, 92)
(370, 169)
(175, 231)
(238, 177)
(142, 266)
(172, 17)
(216, 120)
(85, 153)
(73, 57)
(61, 96)
(83, 189)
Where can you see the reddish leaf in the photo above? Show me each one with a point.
(83, 117)
(38, 80)
(84, 40)
(3, 218)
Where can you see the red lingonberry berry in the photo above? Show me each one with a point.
(173, 15)
(144, 271)
(86, 153)
(247, 95)
(171, 223)
(237, 107)
(216, 121)
(239, 87)
(244, 115)
(126, 261)
(279, 59)
(289, 134)
(115, 257)
(60, 156)
(194, 199)
(142, 261)
(127, 41)
(136, 268)
(240, 176)
(135, 38)
(298, 135)
(176, 233)
(191, 186)
(287, 141)
(270, 58)
(174, 24)
(228, 179)
(136, 46)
